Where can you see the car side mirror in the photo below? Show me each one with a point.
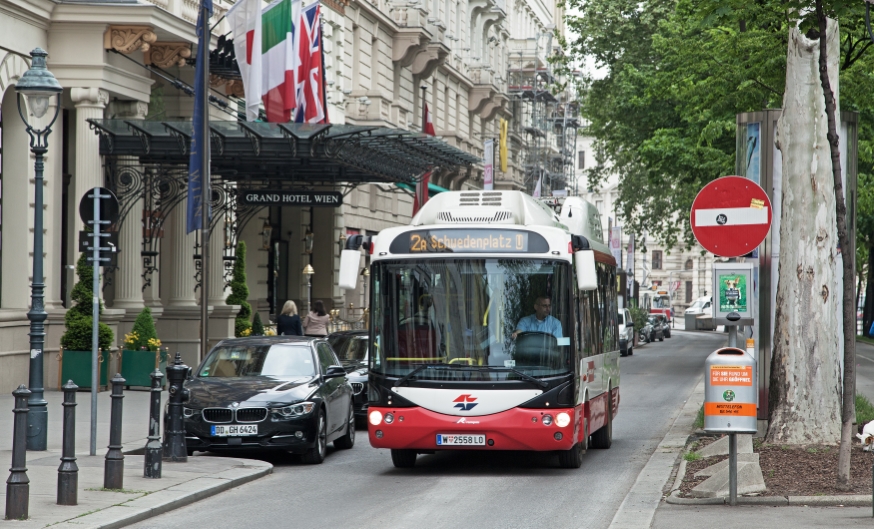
(189, 375)
(630, 324)
(335, 371)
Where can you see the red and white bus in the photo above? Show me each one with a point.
(658, 301)
(493, 327)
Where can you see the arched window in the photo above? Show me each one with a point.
(689, 264)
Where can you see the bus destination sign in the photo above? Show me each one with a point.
(469, 241)
(290, 197)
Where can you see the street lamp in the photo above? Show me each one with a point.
(308, 271)
(37, 85)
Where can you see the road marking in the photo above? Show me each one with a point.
(731, 216)
(860, 355)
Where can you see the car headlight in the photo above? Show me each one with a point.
(189, 412)
(296, 410)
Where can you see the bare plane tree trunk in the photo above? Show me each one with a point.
(848, 410)
(805, 372)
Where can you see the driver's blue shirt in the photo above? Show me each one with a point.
(550, 325)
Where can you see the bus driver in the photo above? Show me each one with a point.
(540, 321)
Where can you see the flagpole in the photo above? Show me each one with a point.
(324, 81)
(206, 188)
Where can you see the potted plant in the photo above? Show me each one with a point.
(240, 293)
(257, 325)
(142, 352)
(76, 340)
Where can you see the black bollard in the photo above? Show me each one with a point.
(18, 484)
(174, 434)
(154, 450)
(113, 468)
(68, 472)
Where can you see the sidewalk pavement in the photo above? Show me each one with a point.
(645, 505)
(141, 498)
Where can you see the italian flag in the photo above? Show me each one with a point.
(279, 62)
(270, 67)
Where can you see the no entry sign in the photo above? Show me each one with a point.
(731, 216)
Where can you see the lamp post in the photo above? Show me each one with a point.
(308, 271)
(37, 85)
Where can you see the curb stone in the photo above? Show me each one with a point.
(777, 501)
(178, 496)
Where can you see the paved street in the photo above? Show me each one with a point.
(474, 489)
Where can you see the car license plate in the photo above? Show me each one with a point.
(234, 429)
(460, 440)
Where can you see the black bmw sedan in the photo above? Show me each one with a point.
(277, 392)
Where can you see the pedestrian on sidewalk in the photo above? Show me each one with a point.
(288, 323)
(316, 322)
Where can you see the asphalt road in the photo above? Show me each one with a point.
(361, 488)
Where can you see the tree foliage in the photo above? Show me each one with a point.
(240, 291)
(78, 318)
(257, 325)
(677, 73)
(144, 334)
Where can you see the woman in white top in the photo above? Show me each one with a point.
(316, 322)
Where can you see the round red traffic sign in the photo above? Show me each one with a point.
(731, 216)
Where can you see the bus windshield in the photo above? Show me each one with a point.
(661, 302)
(474, 314)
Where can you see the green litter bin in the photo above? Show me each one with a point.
(137, 366)
(76, 366)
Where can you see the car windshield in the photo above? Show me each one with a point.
(696, 306)
(280, 360)
(621, 320)
(652, 320)
(467, 313)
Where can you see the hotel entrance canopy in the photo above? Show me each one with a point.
(288, 153)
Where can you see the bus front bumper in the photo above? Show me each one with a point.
(515, 429)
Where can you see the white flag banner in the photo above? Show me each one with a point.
(245, 21)
(537, 187)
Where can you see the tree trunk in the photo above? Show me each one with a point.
(868, 312)
(848, 258)
(805, 385)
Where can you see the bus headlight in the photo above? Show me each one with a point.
(546, 420)
(375, 417)
(389, 418)
(562, 419)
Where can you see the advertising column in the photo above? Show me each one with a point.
(489, 165)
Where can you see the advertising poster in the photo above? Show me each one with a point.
(616, 244)
(489, 164)
(754, 150)
(732, 293)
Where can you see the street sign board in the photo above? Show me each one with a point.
(731, 216)
(289, 197)
(108, 206)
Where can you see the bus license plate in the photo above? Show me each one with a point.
(234, 430)
(460, 440)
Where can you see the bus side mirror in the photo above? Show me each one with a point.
(349, 261)
(587, 276)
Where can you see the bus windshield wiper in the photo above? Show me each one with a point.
(524, 376)
(410, 375)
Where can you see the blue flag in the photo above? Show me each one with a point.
(198, 141)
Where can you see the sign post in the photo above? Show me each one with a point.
(730, 217)
(98, 208)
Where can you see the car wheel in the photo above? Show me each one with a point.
(347, 441)
(316, 454)
(662, 338)
(630, 351)
(623, 353)
(603, 438)
(403, 458)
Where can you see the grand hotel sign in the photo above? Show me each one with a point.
(263, 197)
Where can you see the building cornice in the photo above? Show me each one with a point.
(166, 25)
(36, 14)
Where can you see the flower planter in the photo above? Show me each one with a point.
(76, 366)
(137, 366)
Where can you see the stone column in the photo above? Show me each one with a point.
(177, 261)
(221, 316)
(179, 328)
(53, 193)
(90, 103)
(128, 277)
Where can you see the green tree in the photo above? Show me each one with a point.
(257, 326)
(240, 291)
(78, 318)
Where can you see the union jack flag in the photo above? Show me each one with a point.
(311, 81)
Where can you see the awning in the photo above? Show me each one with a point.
(432, 189)
(287, 152)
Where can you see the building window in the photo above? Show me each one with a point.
(689, 264)
(582, 163)
(656, 259)
(600, 205)
(688, 292)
